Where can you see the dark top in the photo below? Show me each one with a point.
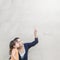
(27, 46)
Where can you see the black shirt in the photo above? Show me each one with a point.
(27, 46)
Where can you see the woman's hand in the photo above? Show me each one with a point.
(35, 33)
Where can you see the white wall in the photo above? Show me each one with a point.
(19, 17)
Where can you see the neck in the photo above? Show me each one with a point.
(22, 47)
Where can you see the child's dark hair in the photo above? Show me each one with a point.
(12, 44)
(15, 39)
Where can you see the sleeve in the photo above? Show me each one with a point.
(31, 44)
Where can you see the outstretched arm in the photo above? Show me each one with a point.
(35, 41)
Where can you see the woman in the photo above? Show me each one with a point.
(24, 47)
(14, 50)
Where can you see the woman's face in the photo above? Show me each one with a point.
(20, 42)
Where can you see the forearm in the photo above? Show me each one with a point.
(31, 44)
(35, 40)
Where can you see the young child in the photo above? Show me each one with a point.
(14, 50)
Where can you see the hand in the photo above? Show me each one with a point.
(35, 33)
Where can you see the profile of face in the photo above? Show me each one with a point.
(17, 44)
(20, 42)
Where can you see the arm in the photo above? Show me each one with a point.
(31, 44)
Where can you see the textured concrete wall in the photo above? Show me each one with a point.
(19, 17)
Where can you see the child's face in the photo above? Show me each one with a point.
(17, 44)
(20, 42)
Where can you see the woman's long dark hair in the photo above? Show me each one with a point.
(12, 44)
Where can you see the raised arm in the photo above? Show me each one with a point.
(35, 40)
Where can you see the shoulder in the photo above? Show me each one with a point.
(14, 50)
